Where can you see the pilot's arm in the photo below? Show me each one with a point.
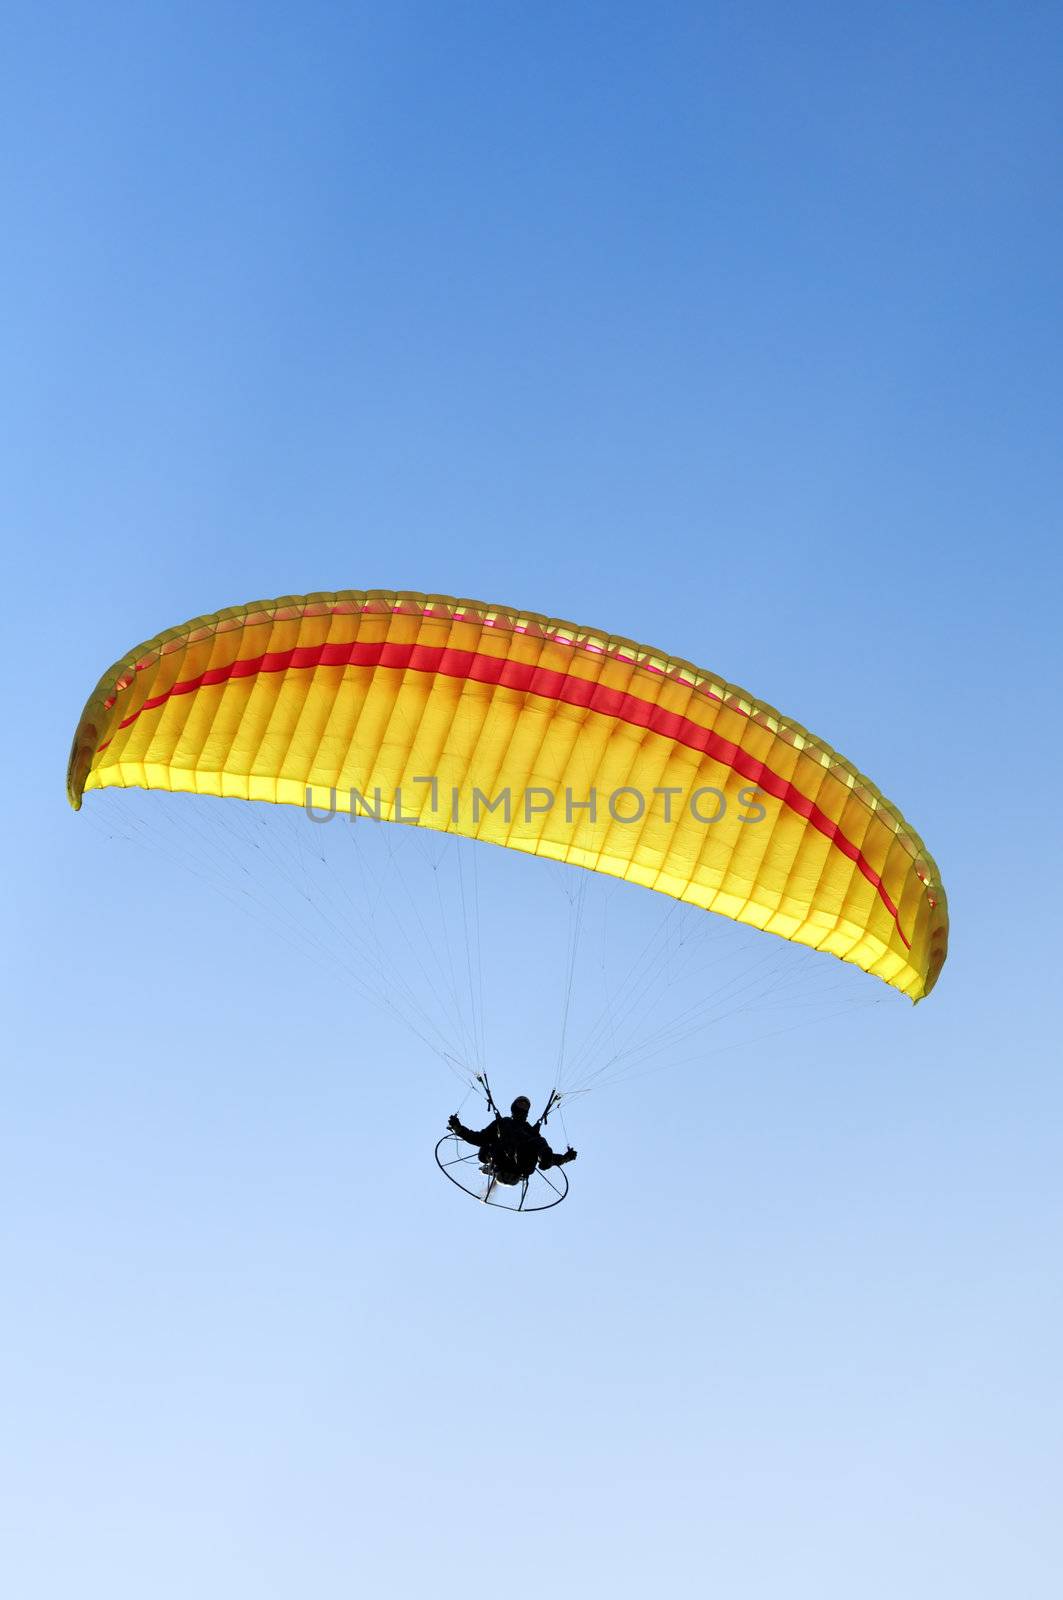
(547, 1157)
(468, 1134)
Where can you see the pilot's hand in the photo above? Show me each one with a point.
(452, 1122)
(570, 1154)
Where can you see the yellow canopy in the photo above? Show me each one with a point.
(534, 734)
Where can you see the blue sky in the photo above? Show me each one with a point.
(730, 328)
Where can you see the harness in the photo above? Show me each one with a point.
(515, 1167)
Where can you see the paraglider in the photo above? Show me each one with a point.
(510, 1151)
(506, 727)
(511, 1148)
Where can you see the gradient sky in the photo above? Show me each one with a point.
(734, 328)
